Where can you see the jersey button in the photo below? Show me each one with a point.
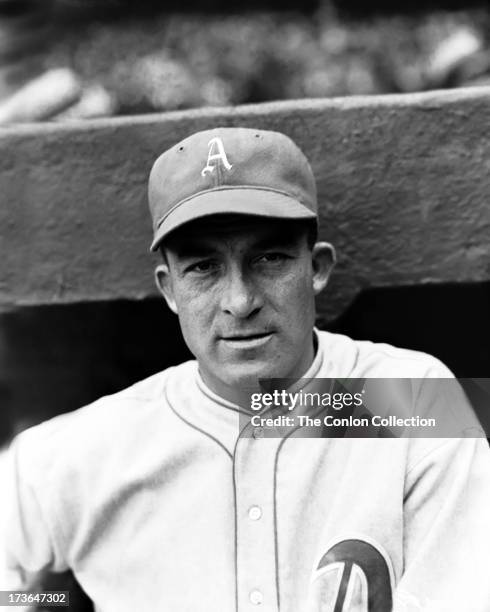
(256, 597)
(258, 433)
(254, 513)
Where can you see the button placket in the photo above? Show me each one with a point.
(254, 464)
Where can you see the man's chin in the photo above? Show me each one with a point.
(249, 376)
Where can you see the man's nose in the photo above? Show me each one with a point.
(240, 297)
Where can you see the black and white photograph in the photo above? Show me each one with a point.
(244, 306)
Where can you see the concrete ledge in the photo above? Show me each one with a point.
(404, 187)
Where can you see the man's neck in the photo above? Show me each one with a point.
(240, 395)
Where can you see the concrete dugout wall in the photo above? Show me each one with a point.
(403, 181)
(404, 189)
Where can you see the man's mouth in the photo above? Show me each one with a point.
(247, 340)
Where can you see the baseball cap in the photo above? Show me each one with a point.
(230, 170)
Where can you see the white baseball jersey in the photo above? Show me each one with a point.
(157, 502)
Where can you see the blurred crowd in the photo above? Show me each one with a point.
(60, 61)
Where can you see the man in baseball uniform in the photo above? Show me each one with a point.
(168, 496)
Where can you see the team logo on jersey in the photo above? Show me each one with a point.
(352, 576)
(216, 153)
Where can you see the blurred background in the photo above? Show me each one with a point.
(65, 59)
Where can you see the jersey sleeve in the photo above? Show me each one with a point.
(27, 549)
(447, 529)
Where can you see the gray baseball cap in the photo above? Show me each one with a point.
(230, 170)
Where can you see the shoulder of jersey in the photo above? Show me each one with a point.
(363, 358)
(118, 417)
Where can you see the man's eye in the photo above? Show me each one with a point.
(271, 258)
(202, 266)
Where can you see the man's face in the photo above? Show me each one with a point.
(243, 288)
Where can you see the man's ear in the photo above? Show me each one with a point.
(323, 259)
(164, 284)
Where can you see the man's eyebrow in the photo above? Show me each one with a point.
(193, 249)
(278, 240)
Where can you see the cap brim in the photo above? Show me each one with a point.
(243, 201)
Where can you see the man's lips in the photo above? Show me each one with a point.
(247, 340)
(246, 335)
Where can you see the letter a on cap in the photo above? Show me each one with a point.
(218, 143)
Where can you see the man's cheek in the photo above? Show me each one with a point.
(195, 319)
(298, 289)
(190, 302)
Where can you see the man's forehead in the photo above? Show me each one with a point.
(220, 228)
(227, 222)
